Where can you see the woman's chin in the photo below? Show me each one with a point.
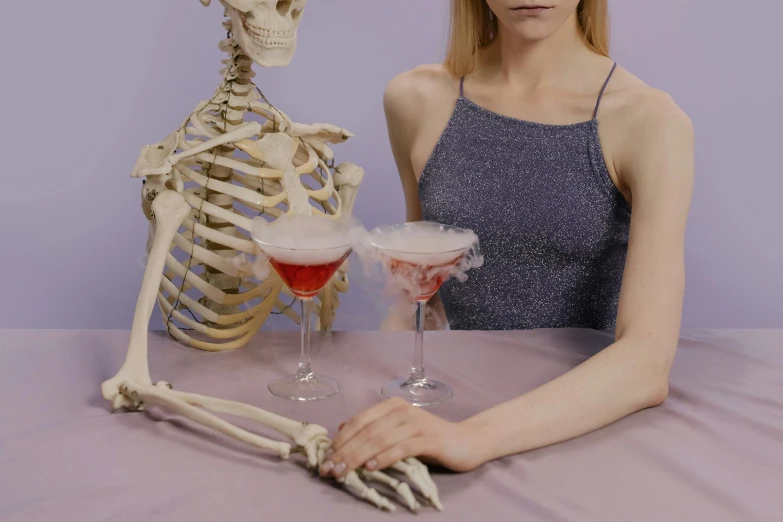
(531, 31)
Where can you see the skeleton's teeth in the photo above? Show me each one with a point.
(274, 42)
(268, 36)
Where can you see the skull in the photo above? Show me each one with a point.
(265, 29)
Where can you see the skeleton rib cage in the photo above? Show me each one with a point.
(207, 286)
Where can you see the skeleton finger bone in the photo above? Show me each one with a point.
(354, 484)
(402, 489)
(419, 476)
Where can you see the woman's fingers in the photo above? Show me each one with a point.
(356, 424)
(372, 434)
(413, 447)
(399, 440)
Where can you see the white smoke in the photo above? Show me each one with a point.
(410, 260)
(417, 258)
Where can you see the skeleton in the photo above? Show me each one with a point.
(203, 186)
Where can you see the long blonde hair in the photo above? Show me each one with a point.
(473, 26)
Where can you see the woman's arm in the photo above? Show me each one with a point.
(627, 376)
(408, 104)
(632, 373)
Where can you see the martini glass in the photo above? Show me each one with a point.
(305, 251)
(419, 257)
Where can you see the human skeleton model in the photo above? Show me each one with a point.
(203, 183)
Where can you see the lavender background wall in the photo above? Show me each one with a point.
(86, 84)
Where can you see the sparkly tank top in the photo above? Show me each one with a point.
(552, 226)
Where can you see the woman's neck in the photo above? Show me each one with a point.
(526, 64)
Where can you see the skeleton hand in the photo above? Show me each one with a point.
(354, 481)
(394, 430)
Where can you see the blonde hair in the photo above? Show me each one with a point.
(473, 26)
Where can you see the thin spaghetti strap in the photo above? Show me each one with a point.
(601, 94)
(461, 87)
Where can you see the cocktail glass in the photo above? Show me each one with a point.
(419, 257)
(305, 251)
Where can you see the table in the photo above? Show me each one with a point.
(713, 452)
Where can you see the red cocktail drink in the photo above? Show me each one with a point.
(305, 251)
(306, 280)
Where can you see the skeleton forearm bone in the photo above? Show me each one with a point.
(304, 435)
(147, 395)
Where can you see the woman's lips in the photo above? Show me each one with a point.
(533, 10)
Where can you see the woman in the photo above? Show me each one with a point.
(547, 146)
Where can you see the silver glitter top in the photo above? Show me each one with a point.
(552, 226)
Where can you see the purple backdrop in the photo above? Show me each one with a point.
(85, 86)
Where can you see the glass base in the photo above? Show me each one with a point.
(310, 388)
(419, 393)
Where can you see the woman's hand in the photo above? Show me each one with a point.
(394, 430)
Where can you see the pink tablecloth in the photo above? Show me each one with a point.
(713, 452)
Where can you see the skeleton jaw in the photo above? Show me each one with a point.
(267, 51)
(266, 30)
(268, 38)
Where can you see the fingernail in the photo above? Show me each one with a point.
(338, 469)
(329, 453)
(326, 467)
(371, 465)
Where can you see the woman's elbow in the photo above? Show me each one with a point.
(659, 392)
(658, 377)
(652, 363)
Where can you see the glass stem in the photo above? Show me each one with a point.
(305, 371)
(417, 372)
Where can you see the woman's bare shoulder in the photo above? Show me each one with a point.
(640, 122)
(420, 91)
(634, 103)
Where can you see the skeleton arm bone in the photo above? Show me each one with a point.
(160, 395)
(304, 435)
(170, 209)
(347, 178)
